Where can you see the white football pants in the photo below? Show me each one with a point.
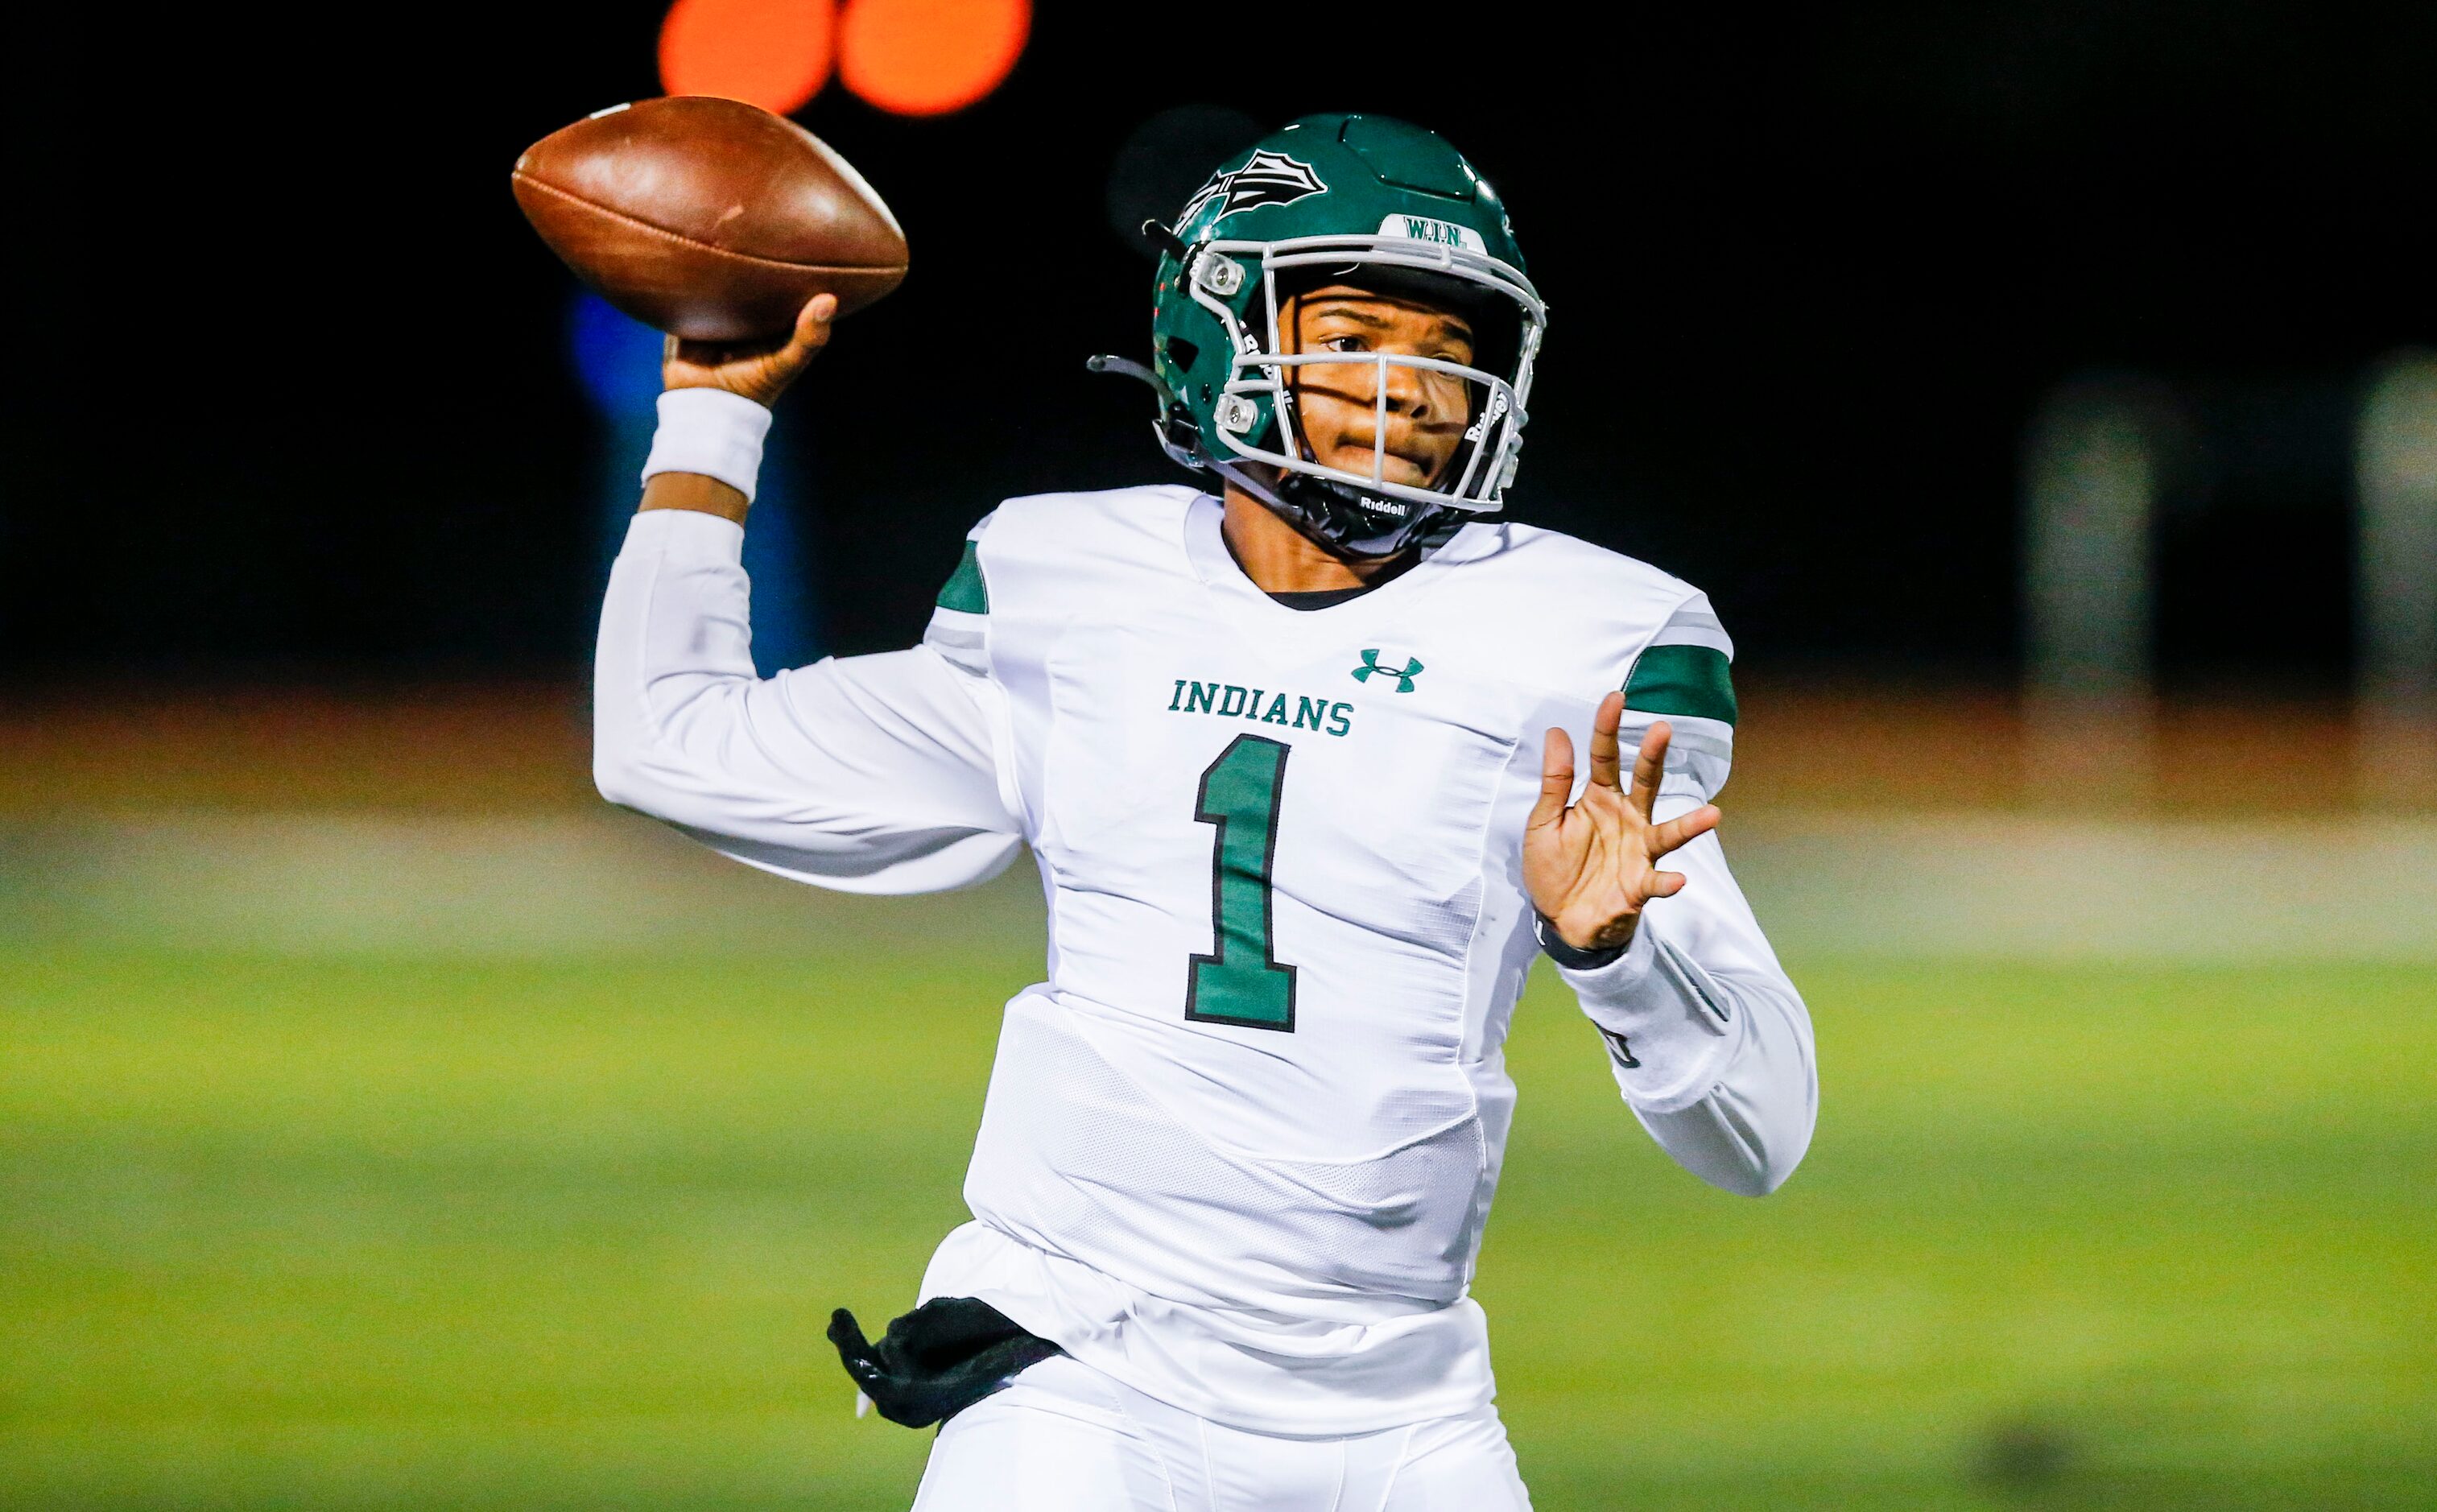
(1066, 1438)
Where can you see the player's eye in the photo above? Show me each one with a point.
(1343, 344)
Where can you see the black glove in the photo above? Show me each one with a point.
(938, 1360)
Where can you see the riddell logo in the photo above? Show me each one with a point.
(1270, 178)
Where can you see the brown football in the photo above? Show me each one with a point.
(708, 218)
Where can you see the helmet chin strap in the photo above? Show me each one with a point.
(1333, 522)
(1246, 475)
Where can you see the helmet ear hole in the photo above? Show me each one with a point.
(1183, 353)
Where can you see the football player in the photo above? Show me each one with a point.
(1294, 747)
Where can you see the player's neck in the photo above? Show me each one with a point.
(1282, 559)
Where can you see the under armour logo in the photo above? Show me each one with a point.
(1370, 666)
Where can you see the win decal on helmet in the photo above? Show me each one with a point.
(1368, 202)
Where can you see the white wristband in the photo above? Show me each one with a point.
(711, 432)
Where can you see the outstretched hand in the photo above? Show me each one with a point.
(761, 370)
(1591, 866)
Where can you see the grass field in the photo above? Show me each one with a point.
(341, 1232)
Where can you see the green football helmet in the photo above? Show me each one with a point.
(1378, 203)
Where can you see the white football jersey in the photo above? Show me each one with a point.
(1239, 1146)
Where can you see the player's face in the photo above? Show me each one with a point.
(1339, 403)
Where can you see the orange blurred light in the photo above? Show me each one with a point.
(771, 53)
(929, 57)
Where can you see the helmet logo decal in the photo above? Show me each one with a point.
(1371, 668)
(1270, 178)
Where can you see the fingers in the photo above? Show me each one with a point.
(812, 325)
(1556, 779)
(1650, 767)
(707, 355)
(1682, 829)
(803, 343)
(1604, 752)
(785, 355)
(1666, 884)
(679, 359)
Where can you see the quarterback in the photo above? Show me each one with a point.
(1294, 747)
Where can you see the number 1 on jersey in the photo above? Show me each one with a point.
(1240, 982)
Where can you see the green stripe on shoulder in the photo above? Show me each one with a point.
(1688, 680)
(966, 593)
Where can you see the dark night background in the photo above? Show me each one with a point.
(303, 412)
